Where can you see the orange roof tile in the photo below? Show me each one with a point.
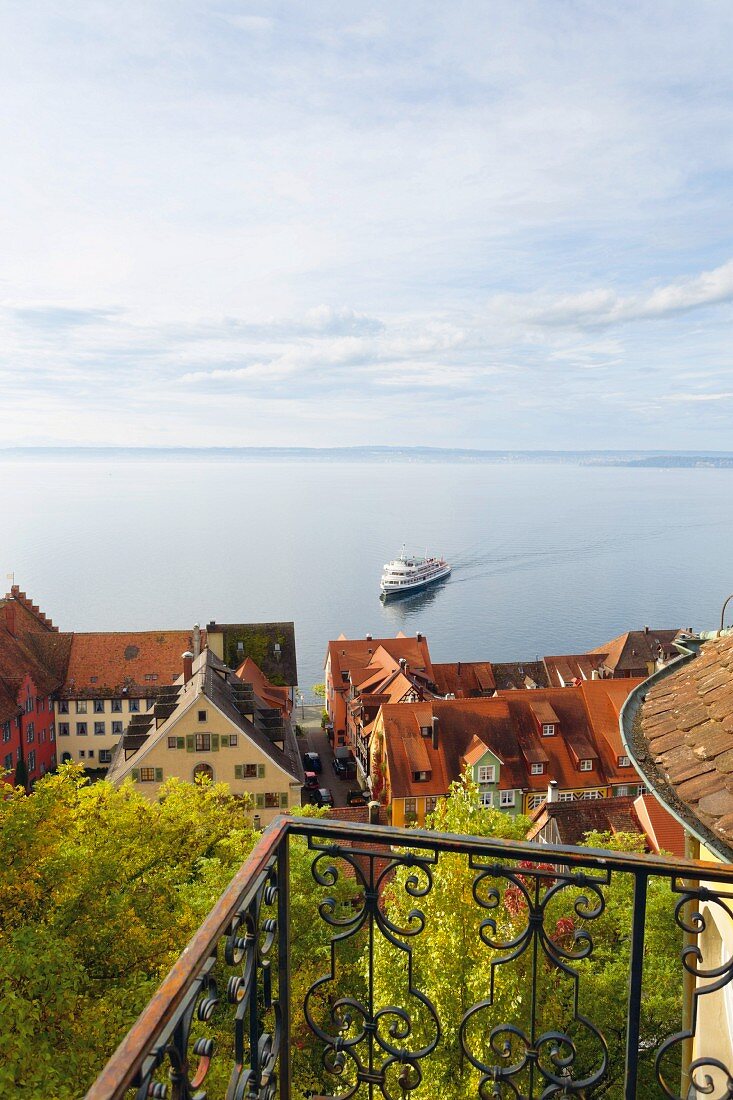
(664, 832)
(103, 663)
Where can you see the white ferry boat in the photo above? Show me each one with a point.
(407, 573)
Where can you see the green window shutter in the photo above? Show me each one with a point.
(284, 801)
(180, 742)
(158, 775)
(260, 771)
(238, 771)
(260, 802)
(215, 742)
(190, 742)
(135, 774)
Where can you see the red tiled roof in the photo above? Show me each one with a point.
(562, 671)
(683, 739)
(638, 648)
(664, 832)
(604, 700)
(250, 673)
(103, 663)
(574, 820)
(349, 654)
(464, 679)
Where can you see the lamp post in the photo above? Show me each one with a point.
(301, 700)
(722, 613)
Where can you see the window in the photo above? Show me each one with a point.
(591, 795)
(30, 733)
(91, 753)
(134, 706)
(63, 729)
(565, 796)
(93, 679)
(63, 706)
(105, 756)
(151, 676)
(548, 729)
(41, 736)
(116, 728)
(534, 801)
(8, 765)
(537, 769)
(147, 775)
(420, 777)
(624, 762)
(203, 742)
(116, 706)
(487, 774)
(6, 731)
(410, 806)
(41, 704)
(249, 771)
(32, 760)
(176, 742)
(641, 789)
(99, 706)
(51, 733)
(99, 729)
(203, 771)
(81, 706)
(273, 800)
(233, 740)
(425, 731)
(81, 729)
(506, 798)
(486, 798)
(586, 765)
(202, 716)
(430, 803)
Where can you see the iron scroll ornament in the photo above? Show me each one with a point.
(373, 1043)
(708, 1076)
(514, 1058)
(248, 944)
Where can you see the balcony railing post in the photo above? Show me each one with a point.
(636, 976)
(283, 961)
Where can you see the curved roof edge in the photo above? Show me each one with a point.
(635, 743)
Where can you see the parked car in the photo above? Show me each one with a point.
(312, 762)
(323, 797)
(311, 781)
(340, 768)
(358, 798)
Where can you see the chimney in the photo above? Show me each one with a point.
(419, 636)
(552, 791)
(403, 664)
(196, 640)
(435, 732)
(373, 808)
(369, 637)
(595, 674)
(646, 629)
(458, 670)
(187, 666)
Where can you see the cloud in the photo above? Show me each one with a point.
(692, 397)
(603, 307)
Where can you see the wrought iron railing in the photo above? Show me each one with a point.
(251, 1012)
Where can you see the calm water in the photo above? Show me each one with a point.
(547, 559)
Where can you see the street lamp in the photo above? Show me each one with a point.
(301, 700)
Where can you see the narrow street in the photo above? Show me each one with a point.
(315, 740)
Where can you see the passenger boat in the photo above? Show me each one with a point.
(408, 573)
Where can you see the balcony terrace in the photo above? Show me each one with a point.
(244, 1009)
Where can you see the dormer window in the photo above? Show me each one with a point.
(586, 765)
(624, 762)
(425, 731)
(420, 777)
(548, 729)
(487, 773)
(537, 769)
(202, 716)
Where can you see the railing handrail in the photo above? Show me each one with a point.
(119, 1072)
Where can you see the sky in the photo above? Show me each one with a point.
(493, 224)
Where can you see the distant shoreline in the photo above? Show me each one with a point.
(635, 459)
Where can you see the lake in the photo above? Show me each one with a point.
(548, 559)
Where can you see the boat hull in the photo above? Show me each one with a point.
(390, 593)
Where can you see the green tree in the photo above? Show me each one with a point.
(100, 891)
(319, 690)
(452, 964)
